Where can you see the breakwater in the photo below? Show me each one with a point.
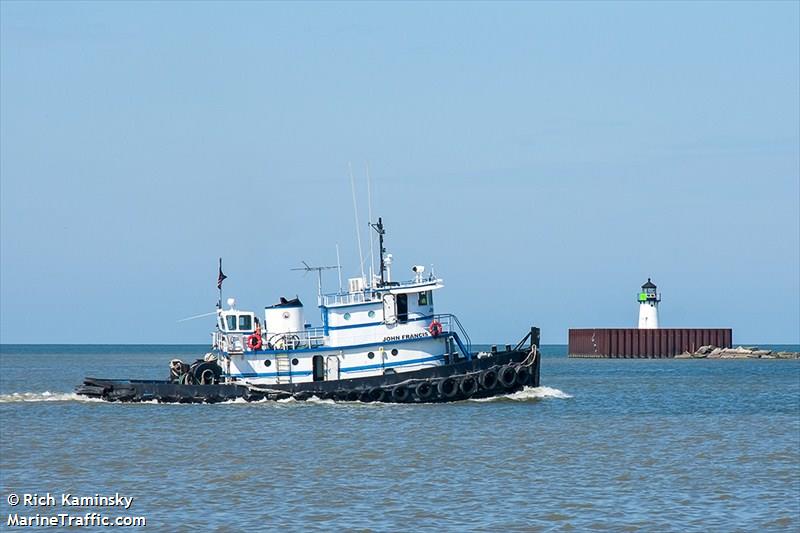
(644, 343)
(740, 352)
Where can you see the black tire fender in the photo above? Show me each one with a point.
(399, 393)
(423, 390)
(340, 396)
(523, 375)
(488, 379)
(447, 387)
(377, 394)
(468, 386)
(353, 395)
(365, 397)
(507, 376)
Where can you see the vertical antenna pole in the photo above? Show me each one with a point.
(355, 212)
(339, 266)
(371, 237)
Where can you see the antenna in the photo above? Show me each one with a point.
(197, 316)
(355, 212)
(371, 237)
(318, 270)
(339, 266)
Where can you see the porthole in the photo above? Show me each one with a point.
(347, 316)
(371, 314)
(286, 314)
(394, 351)
(267, 362)
(295, 361)
(371, 355)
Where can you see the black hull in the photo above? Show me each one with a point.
(452, 382)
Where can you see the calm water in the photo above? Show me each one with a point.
(659, 445)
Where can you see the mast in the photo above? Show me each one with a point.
(381, 250)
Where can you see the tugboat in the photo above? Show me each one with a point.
(380, 341)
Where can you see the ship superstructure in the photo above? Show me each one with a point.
(375, 327)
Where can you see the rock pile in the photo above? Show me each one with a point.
(740, 352)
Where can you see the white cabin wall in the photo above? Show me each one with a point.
(283, 319)
(357, 315)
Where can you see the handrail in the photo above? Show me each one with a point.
(368, 294)
(348, 298)
(463, 333)
(452, 324)
(291, 340)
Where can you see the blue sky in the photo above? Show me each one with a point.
(546, 158)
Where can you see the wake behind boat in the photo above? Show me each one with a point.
(380, 341)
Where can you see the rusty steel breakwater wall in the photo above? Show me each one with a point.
(644, 343)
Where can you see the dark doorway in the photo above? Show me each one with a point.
(402, 307)
(318, 365)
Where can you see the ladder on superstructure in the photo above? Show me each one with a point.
(284, 368)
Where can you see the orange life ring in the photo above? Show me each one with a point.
(254, 341)
(435, 328)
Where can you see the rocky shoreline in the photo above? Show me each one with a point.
(740, 352)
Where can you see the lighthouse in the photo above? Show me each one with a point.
(648, 306)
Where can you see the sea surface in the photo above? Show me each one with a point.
(619, 445)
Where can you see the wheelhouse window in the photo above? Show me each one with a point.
(425, 298)
(231, 322)
(245, 322)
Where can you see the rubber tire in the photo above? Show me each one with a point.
(340, 396)
(507, 376)
(468, 386)
(364, 397)
(423, 391)
(252, 396)
(198, 369)
(523, 375)
(213, 398)
(447, 387)
(353, 395)
(488, 379)
(400, 393)
(377, 394)
(121, 394)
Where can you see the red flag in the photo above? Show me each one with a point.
(221, 276)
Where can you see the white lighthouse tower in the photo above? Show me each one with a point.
(648, 306)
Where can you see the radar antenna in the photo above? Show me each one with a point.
(318, 269)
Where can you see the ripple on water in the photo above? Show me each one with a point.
(643, 445)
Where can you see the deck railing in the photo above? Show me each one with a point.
(308, 338)
(451, 324)
(237, 342)
(348, 298)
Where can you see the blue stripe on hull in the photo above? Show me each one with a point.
(343, 347)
